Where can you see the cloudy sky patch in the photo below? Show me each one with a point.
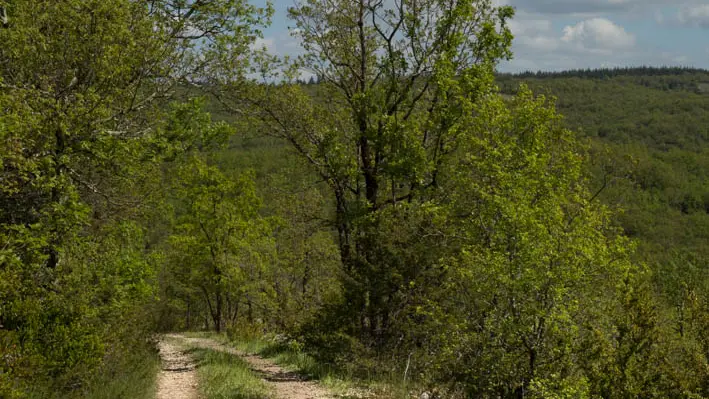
(598, 33)
(608, 33)
(694, 15)
(569, 34)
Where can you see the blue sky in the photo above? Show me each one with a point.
(569, 34)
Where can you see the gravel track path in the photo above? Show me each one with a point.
(178, 379)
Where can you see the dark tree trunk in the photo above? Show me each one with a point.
(188, 320)
(218, 312)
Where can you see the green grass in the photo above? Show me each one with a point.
(342, 381)
(225, 376)
(133, 376)
(138, 381)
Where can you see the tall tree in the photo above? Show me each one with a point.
(535, 251)
(221, 243)
(392, 74)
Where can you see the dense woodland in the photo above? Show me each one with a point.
(647, 130)
(408, 212)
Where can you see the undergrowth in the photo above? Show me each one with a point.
(132, 376)
(138, 381)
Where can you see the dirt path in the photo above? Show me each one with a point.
(284, 384)
(177, 379)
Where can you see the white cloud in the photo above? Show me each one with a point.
(598, 34)
(533, 31)
(539, 43)
(260, 43)
(568, 34)
(670, 58)
(579, 7)
(589, 8)
(529, 26)
(590, 43)
(279, 43)
(604, 33)
(694, 15)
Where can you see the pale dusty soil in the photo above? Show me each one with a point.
(177, 379)
(283, 384)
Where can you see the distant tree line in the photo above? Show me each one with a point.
(605, 73)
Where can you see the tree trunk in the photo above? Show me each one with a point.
(59, 150)
(218, 312)
(188, 321)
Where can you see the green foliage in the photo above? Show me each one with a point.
(646, 130)
(532, 250)
(401, 216)
(127, 373)
(83, 87)
(306, 277)
(379, 127)
(473, 248)
(220, 242)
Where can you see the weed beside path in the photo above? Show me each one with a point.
(280, 362)
(280, 383)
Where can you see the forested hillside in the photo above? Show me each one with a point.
(412, 215)
(649, 133)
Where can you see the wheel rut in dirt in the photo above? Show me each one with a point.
(177, 378)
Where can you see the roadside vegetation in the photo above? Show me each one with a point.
(340, 379)
(225, 376)
(131, 377)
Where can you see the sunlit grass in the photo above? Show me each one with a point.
(226, 376)
(343, 382)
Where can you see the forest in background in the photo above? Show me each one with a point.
(648, 134)
(412, 212)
